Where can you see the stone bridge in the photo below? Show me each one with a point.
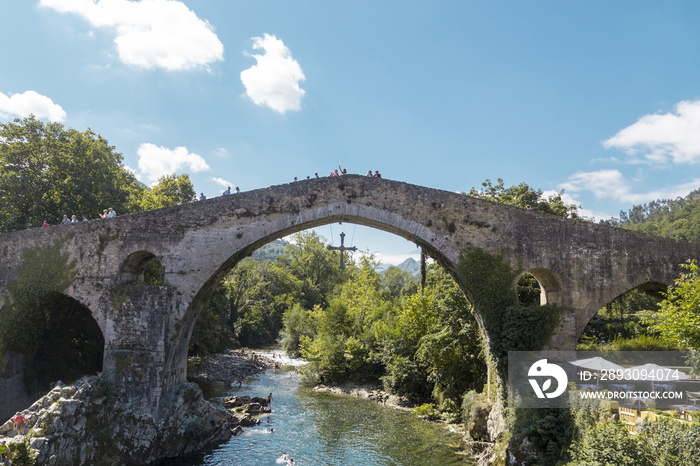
(147, 329)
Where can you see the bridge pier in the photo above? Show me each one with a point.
(139, 336)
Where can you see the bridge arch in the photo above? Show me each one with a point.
(549, 282)
(140, 267)
(72, 343)
(297, 222)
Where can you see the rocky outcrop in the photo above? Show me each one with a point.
(228, 367)
(247, 405)
(87, 424)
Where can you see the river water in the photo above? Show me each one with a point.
(322, 429)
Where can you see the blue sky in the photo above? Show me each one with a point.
(601, 99)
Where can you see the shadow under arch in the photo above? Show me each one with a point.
(72, 344)
(643, 297)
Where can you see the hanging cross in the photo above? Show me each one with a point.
(342, 249)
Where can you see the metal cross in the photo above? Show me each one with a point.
(342, 249)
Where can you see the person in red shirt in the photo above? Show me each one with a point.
(19, 424)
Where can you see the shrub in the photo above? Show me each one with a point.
(427, 411)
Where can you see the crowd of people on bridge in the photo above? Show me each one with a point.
(340, 171)
(106, 213)
(110, 213)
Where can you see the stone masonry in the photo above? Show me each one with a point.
(146, 329)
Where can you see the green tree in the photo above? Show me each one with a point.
(398, 283)
(49, 171)
(297, 323)
(211, 334)
(522, 195)
(609, 443)
(309, 259)
(678, 319)
(170, 190)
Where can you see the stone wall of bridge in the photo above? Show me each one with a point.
(146, 329)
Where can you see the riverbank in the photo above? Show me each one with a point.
(229, 367)
(382, 398)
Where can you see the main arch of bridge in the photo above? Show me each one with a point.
(579, 264)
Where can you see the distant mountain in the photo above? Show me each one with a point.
(411, 266)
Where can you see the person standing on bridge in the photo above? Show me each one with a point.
(202, 197)
(111, 213)
(228, 191)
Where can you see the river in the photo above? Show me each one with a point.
(323, 429)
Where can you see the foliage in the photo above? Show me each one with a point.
(23, 320)
(609, 443)
(427, 411)
(352, 324)
(21, 454)
(247, 307)
(673, 218)
(345, 345)
(309, 260)
(398, 283)
(170, 190)
(522, 195)
(49, 171)
(673, 443)
(548, 432)
(211, 334)
(488, 280)
(679, 317)
(528, 290)
(637, 343)
(297, 323)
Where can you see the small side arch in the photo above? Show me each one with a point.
(550, 284)
(141, 268)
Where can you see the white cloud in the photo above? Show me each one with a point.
(30, 103)
(221, 181)
(150, 33)
(661, 138)
(155, 161)
(611, 184)
(274, 80)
